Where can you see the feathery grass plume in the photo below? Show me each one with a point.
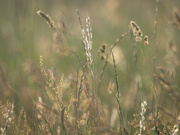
(87, 41)
(142, 113)
(48, 118)
(57, 92)
(49, 82)
(136, 31)
(48, 19)
(176, 17)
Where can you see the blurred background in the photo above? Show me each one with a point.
(24, 36)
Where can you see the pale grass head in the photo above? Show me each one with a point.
(142, 121)
(87, 41)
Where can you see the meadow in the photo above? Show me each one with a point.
(89, 67)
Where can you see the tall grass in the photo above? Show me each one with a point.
(94, 94)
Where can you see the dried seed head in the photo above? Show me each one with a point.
(136, 31)
(102, 48)
(146, 41)
(50, 22)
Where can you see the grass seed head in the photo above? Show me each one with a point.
(136, 31)
(146, 41)
(48, 19)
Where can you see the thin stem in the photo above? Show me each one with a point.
(154, 57)
(107, 56)
(117, 96)
(45, 121)
(115, 70)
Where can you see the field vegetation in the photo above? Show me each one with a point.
(89, 67)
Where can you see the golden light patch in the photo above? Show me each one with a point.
(118, 55)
